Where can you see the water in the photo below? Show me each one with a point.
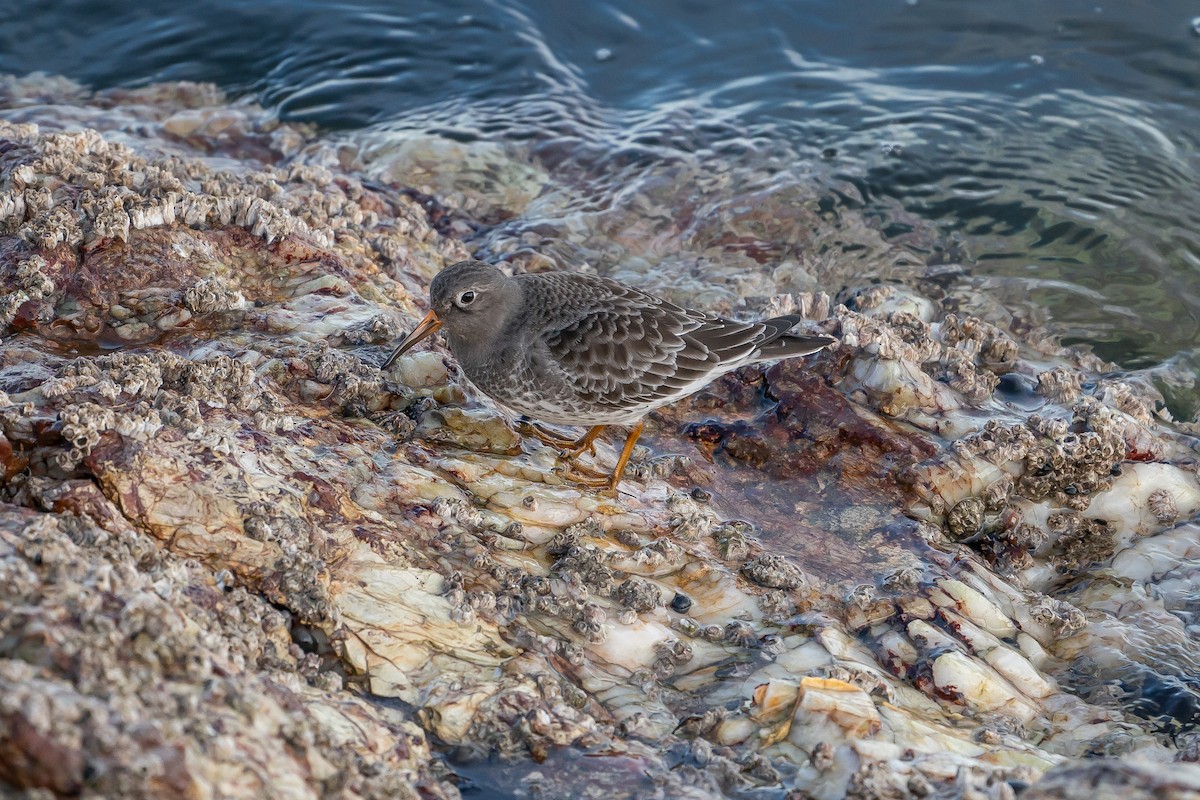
(1049, 148)
(1054, 144)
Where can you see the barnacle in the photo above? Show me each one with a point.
(220, 513)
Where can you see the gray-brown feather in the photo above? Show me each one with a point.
(575, 349)
(622, 351)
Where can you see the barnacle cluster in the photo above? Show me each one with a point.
(228, 538)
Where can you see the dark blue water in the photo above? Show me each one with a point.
(1056, 142)
(350, 64)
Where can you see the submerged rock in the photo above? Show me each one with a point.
(945, 558)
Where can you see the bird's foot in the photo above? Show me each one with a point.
(549, 438)
(570, 464)
(582, 476)
(572, 453)
(585, 476)
(575, 447)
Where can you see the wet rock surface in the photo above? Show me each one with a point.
(945, 558)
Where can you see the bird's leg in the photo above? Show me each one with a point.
(579, 473)
(544, 436)
(575, 447)
(568, 449)
(571, 449)
(626, 451)
(609, 482)
(586, 442)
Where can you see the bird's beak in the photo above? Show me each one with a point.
(428, 326)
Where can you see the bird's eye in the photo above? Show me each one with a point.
(466, 298)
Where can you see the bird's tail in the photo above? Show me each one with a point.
(778, 343)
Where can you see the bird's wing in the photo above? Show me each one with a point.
(626, 347)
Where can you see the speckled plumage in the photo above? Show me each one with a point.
(575, 349)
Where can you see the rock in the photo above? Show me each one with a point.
(238, 559)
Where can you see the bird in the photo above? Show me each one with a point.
(575, 349)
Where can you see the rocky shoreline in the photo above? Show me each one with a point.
(948, 558)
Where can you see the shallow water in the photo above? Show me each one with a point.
(1049, 153)
(1053, 144)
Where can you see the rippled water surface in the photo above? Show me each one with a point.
(1054, 144)
(1043, 154)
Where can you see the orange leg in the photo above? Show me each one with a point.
(626, 451)
(612, 481)
(585, 442)
(577, 446)
(544, 436)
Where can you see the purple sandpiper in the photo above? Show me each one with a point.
(573, 349)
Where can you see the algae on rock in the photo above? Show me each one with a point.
(237, 559)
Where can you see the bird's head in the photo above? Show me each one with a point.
(471, 300)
